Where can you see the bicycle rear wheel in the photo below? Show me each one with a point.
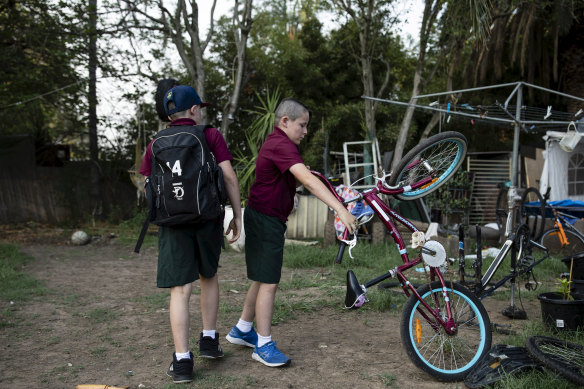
(501, 209)
(444, 152)
(532, 212)
(446, 357)
(562, 357)
(551, 240)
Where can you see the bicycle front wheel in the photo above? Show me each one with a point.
(551, 240)
(443, 356)
(444, 153)
(562, 357)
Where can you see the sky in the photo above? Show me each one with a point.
(409, 10)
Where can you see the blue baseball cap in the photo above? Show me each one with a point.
(183, 97)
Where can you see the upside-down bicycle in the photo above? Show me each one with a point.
(444, 328)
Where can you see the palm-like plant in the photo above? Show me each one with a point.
(256, 134)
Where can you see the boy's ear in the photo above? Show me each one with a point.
(284, 122)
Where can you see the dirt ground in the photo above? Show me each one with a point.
(103, 321)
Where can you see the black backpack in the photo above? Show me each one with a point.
(185, 187)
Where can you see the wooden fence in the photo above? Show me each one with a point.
(61, 194)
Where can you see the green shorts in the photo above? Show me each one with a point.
(186, 253)
(264, 246)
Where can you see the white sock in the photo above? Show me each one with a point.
(180, 356)
(244, 326)
(263, 340)
(209, 333)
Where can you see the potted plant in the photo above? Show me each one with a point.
(562, 309)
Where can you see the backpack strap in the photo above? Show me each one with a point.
(143, 232)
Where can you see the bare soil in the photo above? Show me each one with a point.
(103, 321)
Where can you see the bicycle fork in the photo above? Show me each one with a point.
(356, 296)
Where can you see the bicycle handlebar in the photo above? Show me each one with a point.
(339, 257)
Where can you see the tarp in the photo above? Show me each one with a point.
(574, 208)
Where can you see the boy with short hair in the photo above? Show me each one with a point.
(279, 169)
(192, 252)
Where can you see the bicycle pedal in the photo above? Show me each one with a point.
(531, 285)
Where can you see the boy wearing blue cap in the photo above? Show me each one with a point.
(192, 252)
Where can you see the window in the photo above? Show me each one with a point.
(576, 175)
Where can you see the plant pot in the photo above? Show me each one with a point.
(578, 267)
(577, 287)
(562, 314)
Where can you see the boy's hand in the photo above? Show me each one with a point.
(349, 220)
(235, 227)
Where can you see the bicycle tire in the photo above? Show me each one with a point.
(551, 240)
(533, 216)
(562, 357)
(501, 209)
(445, 152)
(446, 357)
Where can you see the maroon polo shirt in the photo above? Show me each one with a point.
(272, 192)
(214, 140)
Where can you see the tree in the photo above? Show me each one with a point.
(372, 18)
(528, 42)
(181, 26)
(478, 15)
(241, 24)
(40, 90)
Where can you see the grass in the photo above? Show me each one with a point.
(315, 282)
(372, 260)
(203, 380)
(15, 286)
(153, 302)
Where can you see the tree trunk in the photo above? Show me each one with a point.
(95, 192)
(427, 22)
(241, 29)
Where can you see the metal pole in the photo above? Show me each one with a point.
(516, 135)
(512, 194)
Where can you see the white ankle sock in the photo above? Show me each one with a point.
(180, 356)
(263, 340)
(244, 326)
(209, 333)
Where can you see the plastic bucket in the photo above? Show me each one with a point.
(577, 267)
(562, 314)
(578, 287)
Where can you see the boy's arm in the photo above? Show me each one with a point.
(232, 186)
(317, 188)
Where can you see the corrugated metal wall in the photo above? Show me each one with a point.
(488, 172)
(308, 220)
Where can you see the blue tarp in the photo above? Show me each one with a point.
(574, 208)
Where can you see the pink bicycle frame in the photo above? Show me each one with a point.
(386, 215)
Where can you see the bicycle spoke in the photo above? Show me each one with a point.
(439, 158)
(443, 351)
(564, 354)
(563, 357)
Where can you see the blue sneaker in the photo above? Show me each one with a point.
(249, 339)
(270, 356)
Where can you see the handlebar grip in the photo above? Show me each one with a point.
(339, 258)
